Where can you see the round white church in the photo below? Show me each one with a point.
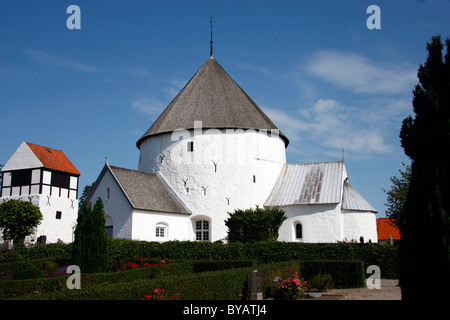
(212, 151)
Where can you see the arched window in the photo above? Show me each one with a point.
(108, 192)
(298, 231)
(202, 230)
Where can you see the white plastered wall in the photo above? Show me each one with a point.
(145, 223)
(320, 223)
(359, 224)
(228, 170)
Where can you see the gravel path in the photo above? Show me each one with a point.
(389, 291)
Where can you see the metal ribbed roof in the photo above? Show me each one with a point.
(352, 200)
(308, 183)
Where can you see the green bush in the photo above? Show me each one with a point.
(253, 225)
(35, 268)
(345, 274)
(321, 281)
(25, 270)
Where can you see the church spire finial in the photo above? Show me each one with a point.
(211, 42)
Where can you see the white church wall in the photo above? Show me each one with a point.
(116, 206)
(227, 170)
(54, 226)
(176, 226)
(359, 224)
(320, 223)
(60, 215)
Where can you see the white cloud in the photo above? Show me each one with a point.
(171, 92)
(359, 74)
(52, 60)
(327, 125)
(149, 106)
(253, 67)
(133, 71)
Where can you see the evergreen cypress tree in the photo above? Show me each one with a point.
(425, 244)
(89, 246)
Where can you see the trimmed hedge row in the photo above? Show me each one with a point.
(16, 289)
(179, 277)
(202, 266)
(233, 284)
(262, 252)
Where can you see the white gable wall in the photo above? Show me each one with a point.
(23, 158)
(117, 206)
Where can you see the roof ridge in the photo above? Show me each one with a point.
(52, 159)
(316, 162)
(41, 146)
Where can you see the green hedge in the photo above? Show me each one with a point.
(207, 265)
(262, 252)
(232, 284)
(179, 277)
(345, 274)
(31, 269)
(15, 289)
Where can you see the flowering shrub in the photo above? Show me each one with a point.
(291, 288)
(133, 265)
(160, 294)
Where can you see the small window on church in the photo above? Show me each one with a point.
(190, 146)
(160, 232)
(58, 215)
(298, 231)
(254, 179)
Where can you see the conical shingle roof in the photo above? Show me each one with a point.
(213, 97)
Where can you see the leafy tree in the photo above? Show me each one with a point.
(425, 244)
(86, 191)
(396, 197)
(89, 246)
(18, 219)
(254, 224)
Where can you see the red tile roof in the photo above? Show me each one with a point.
(385, 229)
(53, 159)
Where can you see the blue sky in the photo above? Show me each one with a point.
(321, 75)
